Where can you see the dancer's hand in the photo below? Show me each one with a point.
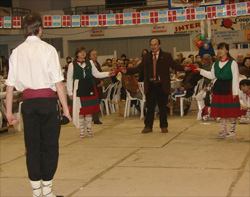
(12, 119)
(67, 114)
(198, 69)
(111, 74)
(124, 70)
(71, 97)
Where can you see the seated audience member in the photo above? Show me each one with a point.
(131, 60)
(191, 56)
(180, 57)
(137, 61)
(123, 57)
(188, 84)
(105, 67)
(245, 68)
(4, 62)
(4, 72)
(109, 61)
(244, 97)
(114, 62)
(130, 84)
(65, 68)
(248, 54)
(239, 59)
(205, 95)
(144, 52)
(206, 65)
(126, 62)
(215, 58)
(198, 58)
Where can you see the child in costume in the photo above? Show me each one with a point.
(82, 90)
(225, 100)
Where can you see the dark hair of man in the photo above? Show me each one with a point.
(78, 49)
(222, 45)
(68, 58)
(244, 82)
(245, 59)
(190, 55)
(108, 59)
(31, 24)
(159, 42)
(123, 55)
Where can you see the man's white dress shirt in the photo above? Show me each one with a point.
(34, 64)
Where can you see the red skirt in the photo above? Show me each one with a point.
(225, 106)
(90, 104)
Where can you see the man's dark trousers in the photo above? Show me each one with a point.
(42, 126)
(156, 95)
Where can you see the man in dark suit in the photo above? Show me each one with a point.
(156, 66)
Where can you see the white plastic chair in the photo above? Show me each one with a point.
(129, 98)
(106, 100)
(143, 101)
(181, 103)
(117, 96)
(112, 102)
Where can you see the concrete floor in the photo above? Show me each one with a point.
(119, 161)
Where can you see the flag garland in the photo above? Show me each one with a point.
(47, 21)
(136, 18)
(154, 17)
(56, 21)
(66, 21)
(75, 21)
(17, 22)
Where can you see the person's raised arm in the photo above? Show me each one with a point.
(207, 74)
(173, 64)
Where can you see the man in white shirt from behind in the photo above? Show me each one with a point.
(34, 69)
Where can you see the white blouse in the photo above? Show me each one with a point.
(34, 64)
(235, 73)
(95, 73)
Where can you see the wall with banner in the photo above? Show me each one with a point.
(232, 19)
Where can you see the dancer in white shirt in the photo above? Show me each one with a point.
(35, 70)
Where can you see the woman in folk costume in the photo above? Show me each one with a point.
(225, 100)
(82, 90)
